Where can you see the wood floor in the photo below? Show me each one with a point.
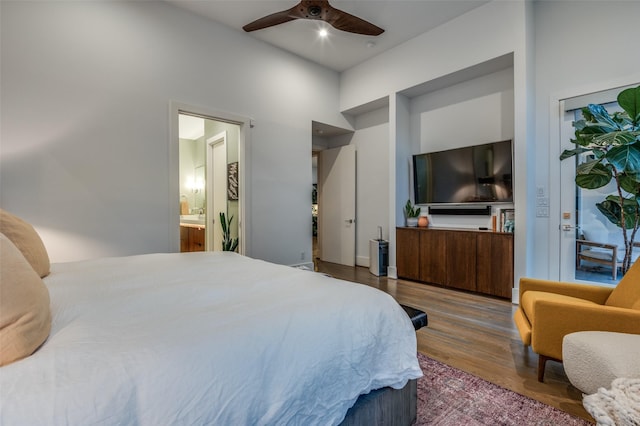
(476, 334)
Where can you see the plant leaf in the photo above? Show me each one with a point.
(622, 118)
(610, 210)
(592, 175)
(586, 113)
(595, 129)
(622, 137)
(612, 207)
(600, 115)
(567, 153)
(629, 100)
(630, 182)
(625, 157)
(223, 223)
(591, 166)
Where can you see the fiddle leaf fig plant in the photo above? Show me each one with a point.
(228, 243)
(614, 142)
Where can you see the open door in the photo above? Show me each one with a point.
(337, 205)
(216, 189)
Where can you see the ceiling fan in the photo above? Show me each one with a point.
(319, 10)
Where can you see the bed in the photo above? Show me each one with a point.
(208, 338)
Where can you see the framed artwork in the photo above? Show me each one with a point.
(232, 181)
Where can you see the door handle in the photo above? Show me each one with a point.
(350, 220)
(566, 227)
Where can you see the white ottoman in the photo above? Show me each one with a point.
(593, 359)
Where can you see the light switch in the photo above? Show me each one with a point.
(542, 212)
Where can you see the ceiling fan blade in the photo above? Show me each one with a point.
(347, 22)
(318, 10)
(270, 21)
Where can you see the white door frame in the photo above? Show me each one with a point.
(213, 189)
(244, 172)
(556, 113)
(566, 236)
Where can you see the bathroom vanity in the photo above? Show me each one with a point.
(192, 229)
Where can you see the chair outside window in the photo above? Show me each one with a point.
(602, 254)
(594, 248)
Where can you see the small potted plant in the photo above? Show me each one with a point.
(411, 214)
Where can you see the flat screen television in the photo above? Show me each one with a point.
(473, 174)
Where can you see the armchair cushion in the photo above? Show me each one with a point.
(531, 298)
(596, 294)
(554, 319)
(627, 292)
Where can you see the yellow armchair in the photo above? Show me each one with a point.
(549, 310)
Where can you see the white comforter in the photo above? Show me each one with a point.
(206, 338)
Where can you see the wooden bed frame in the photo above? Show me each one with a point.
(386, 406)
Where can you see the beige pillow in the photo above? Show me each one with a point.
(27, 240)
(25, 315)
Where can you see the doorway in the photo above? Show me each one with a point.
(591, 246)
(216, 194)
(337, 205)
(333, 195)
(208, 153)
(314, 209)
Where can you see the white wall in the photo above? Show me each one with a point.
(473, 112)
(483, 33)
(371, 138)
(495, 30)
(86, 89)
(580, 47)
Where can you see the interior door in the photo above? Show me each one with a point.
(217, 194)
(337, 205)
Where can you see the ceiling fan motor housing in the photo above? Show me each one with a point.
(313, 12)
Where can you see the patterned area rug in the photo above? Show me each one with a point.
(451, 397)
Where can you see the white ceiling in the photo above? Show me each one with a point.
(190, 127)
(401, 20)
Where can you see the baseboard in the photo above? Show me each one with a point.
(362, 261)
(392, 272)
(306, 265)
